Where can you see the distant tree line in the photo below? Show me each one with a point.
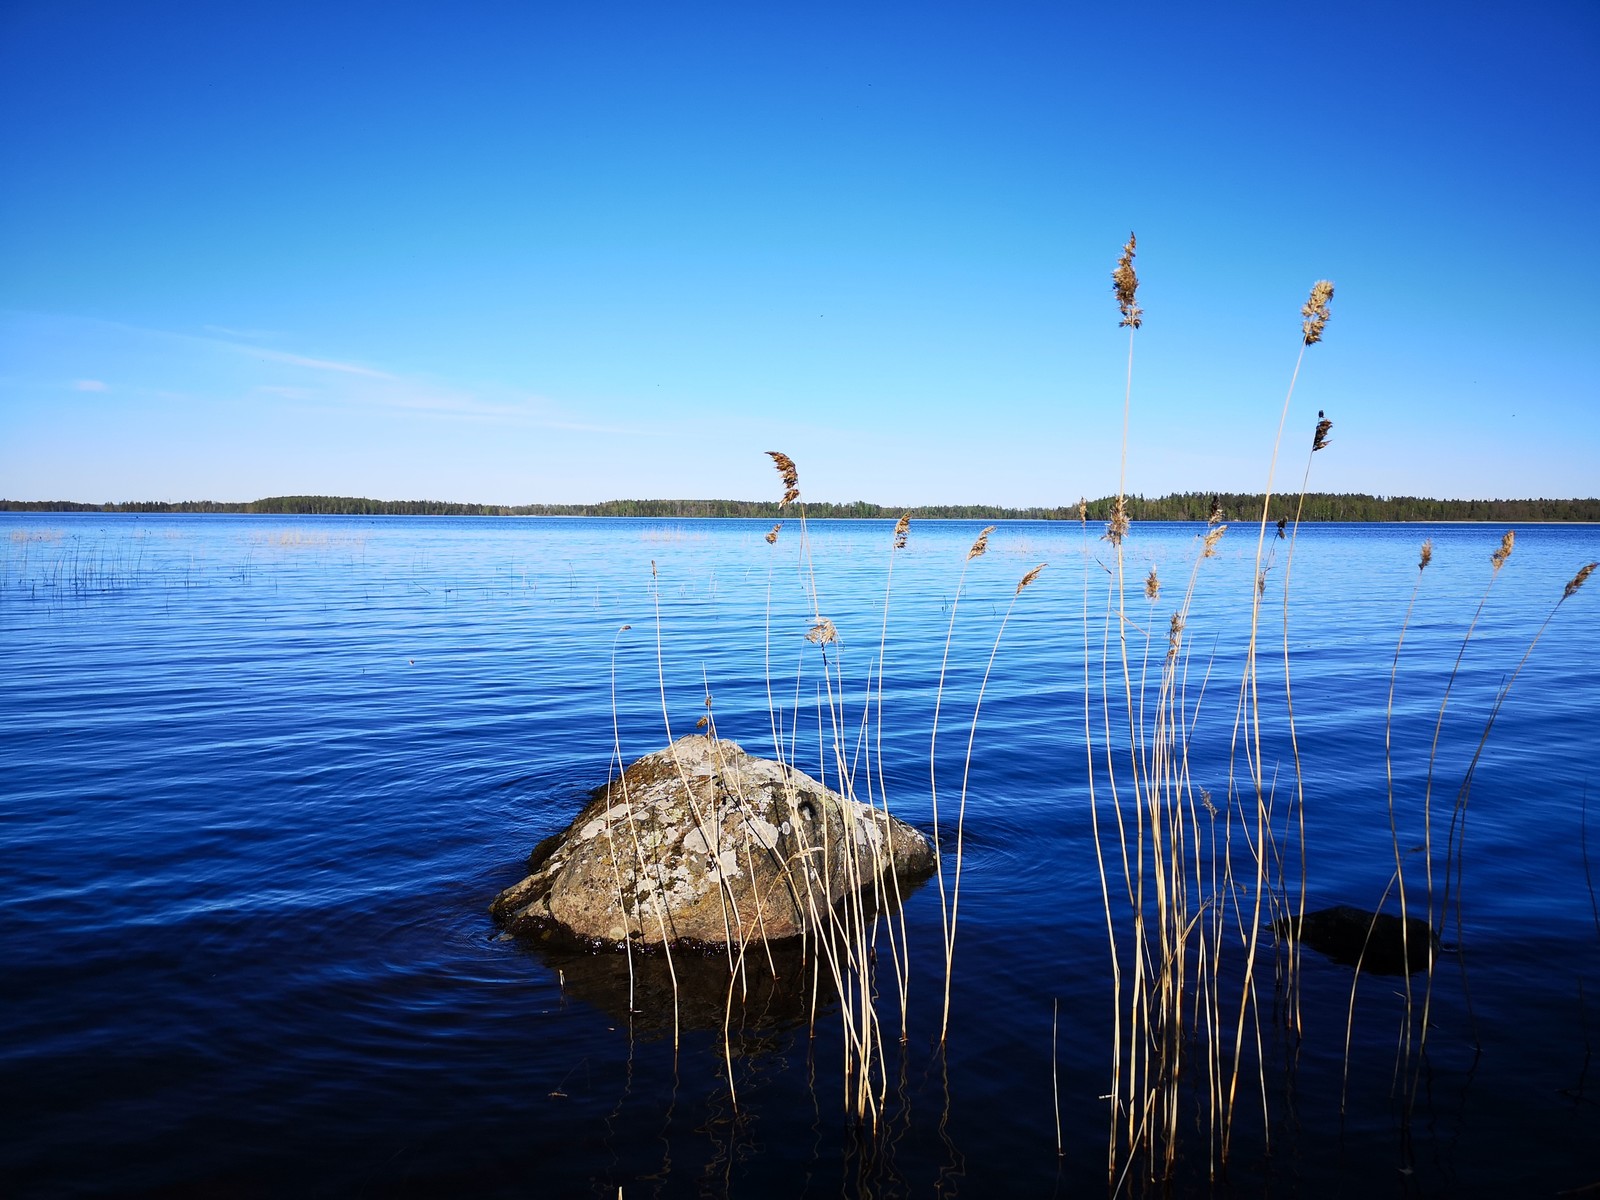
(1177, 506)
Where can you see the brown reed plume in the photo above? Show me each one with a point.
(901, 528)
(1124, 284)
(822, 633)
(981, 545)
(791, 478)
(1498, 558)
(1152, 586)
(1209, 545)
(772, 534)
(1319, 439)
(1315, 312)
(1577, 581)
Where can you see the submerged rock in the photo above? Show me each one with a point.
(1376, 941)
(701, 843)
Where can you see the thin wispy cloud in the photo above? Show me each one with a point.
(314, 364)
(220, 367)
(264, 335)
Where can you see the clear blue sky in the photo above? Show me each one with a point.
(546, 252)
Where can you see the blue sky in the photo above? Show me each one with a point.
(540, 252)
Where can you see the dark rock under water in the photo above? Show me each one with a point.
(1376, 942)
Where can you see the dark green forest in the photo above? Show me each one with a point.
(1177, 506)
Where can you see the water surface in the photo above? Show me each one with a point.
(262, 775)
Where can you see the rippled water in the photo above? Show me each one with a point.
(261, 776)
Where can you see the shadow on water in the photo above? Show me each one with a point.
(776, 988)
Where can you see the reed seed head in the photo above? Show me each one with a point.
(702, 722)
(1210, 545)
(1034, 574)
(1499, 556)
(1427, 555)
(772, 534)
(823, 632)
(982, 544)
(1124, 283)
(1117, 527)
(1152, 585)
(625, 629)
(1577, 580)
(791, 478)
(1283, 523)
(1216, 511)
(1174, 635)
(1319, 440)
(901, 528)
(1083, 511)
(1315, 311)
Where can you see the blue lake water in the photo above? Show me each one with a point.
(260, 778)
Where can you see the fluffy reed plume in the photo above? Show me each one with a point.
(1152, 586)
(1577, 580)
(1083, 511)
(1034, 574)
(1216, 511)
(1319, 440)
(1315, 311)
(981, 545)
(1283, 524)
(1117, 527)
(791, 478)
(772, 534)
(1174, 634)
(1498, 558)
(1124, 283)
(901, 528)
(1209, 546)
(1427, 555)
(823, 632)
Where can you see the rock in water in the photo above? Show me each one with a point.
(701, 843)
(1376, 941)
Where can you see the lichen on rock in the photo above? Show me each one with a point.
(703, 843)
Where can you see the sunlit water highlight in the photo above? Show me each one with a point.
(261, 776)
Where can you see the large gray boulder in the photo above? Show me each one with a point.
(701, 843)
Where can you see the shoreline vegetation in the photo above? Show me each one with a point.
(1175, 506)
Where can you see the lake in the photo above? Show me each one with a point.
(262, 776)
